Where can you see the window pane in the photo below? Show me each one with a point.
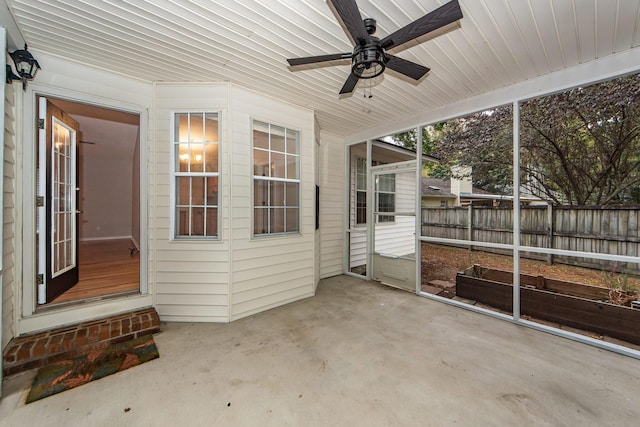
(261, 135)
(277, 194)
(361, 174)
(181, 127)
(183, 186)
(292, 219)
(260, 220)
(260, 192)
(361, 207)
(182, 221)
(212, 222)
(292, 194)
(292, 167)
(211, 158)
(277, 139)
(292, 142)
(196, 127)
(182, 158)
(277, 165)
(260, 162)
(197, 190)
(197, 158)
(212, 191)
(211, 127)
(197, 221)
(277, 220)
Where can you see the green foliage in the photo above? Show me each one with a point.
(578, 147)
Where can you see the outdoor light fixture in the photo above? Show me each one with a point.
(25, 64)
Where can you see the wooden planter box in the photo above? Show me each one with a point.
(571, 304)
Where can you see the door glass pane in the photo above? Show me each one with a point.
(63, 203)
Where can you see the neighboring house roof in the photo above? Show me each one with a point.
(435, 187)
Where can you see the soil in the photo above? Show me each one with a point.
(443, 262)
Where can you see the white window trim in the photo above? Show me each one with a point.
(173, 174)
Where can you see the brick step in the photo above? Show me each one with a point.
(37, 350)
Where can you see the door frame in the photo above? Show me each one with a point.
(377, 171)
(33, 318)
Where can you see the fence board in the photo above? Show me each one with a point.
(598, 229)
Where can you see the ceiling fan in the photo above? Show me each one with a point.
(369, 57)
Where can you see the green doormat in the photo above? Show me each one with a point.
(66, 374)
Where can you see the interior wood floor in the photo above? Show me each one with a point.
(105, 267)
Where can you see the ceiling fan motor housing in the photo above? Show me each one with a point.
(368, 60)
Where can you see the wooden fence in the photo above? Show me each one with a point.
(600, 229)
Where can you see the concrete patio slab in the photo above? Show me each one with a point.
(356, 354)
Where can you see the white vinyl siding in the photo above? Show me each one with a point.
(191, 277)
(331, 182)
(269, 272)
(236, 276)
(8, 280)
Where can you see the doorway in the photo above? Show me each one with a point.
(88, 202)
(381, 239)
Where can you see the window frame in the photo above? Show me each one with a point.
(173, 200)
(285, 180)
(380, 219)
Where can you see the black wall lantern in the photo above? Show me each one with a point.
(26, 66)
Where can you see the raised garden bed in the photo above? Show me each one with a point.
(571, 304)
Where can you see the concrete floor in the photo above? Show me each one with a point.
(356, 354)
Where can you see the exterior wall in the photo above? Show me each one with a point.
(269, 271)
(435, 202)
(332, 183)
(191, 277)
(236, 275)
(8, 226)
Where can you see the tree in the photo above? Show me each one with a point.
(578, 147)
(582, 146)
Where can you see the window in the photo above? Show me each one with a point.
(361, 191)
(195, 174)
(276, 180)
(386, 196)
(385, 193)
(444, 203)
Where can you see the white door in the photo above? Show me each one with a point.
(394, 258)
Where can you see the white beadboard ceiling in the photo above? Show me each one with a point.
(498, 43)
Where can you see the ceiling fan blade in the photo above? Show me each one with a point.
(351, 19)
(444, 15)
(408, 68)
(320, 58)
(350, 84)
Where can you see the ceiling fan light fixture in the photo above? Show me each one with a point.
(368, 61)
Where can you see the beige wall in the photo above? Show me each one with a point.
(106, 178)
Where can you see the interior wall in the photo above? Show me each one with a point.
(106, 178)
(135, 194)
